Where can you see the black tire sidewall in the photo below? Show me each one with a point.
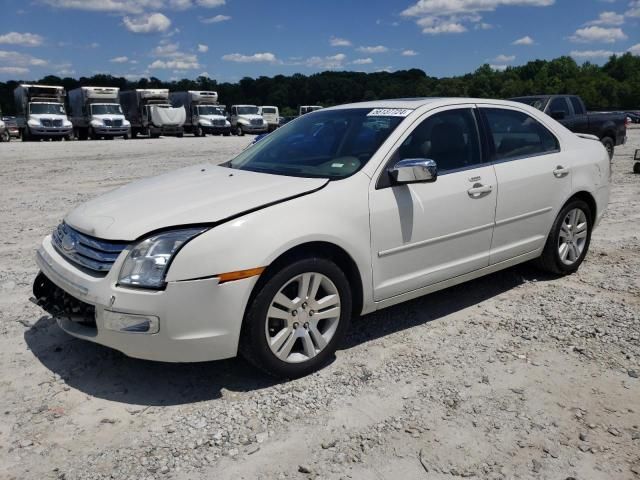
(608, 144)
(254, 345)
(555, 234)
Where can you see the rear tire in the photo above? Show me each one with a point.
(609, 144)
(569, 239)
(312, 326)
(636, 167)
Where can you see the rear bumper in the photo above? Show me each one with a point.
(199, 320)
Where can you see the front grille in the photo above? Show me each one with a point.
(47, 122)
(256, 122)
(108, 122)
(219, 123)
(85, 251)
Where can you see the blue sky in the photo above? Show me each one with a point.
(229, 39)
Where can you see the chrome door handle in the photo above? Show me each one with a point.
(479, 190)
(560, 171)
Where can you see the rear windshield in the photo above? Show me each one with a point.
(326, 144)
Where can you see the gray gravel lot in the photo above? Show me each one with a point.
(517, 375)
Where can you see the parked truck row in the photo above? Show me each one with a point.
(48, 112)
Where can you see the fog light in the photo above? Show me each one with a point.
(130, 323)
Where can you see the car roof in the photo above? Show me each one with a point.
(415, 103)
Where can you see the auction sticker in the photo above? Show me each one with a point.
(389, 112)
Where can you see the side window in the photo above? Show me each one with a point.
(450, 138)
(559, 104)
(578, 108)
(516, 134)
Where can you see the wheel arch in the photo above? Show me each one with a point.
(589, 199)
(323, 249)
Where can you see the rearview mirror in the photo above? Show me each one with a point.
(558, 114)
(414, 170)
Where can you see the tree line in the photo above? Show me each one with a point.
(614, 85)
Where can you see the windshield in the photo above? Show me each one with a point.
(247, 110)
(210, 110)
(535, 102)
(46, 108)
(268, 110)
(110, 109)
(329, 144)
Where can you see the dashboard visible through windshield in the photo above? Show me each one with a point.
(327, 144)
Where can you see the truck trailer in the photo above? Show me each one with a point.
(150, 113)
(96, 113)
(203, 113)
(40, 112)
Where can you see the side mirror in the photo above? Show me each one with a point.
(558, 114)
(414, 170)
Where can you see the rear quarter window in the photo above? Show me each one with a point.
(516, 134)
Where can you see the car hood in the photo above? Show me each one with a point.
(193, 195)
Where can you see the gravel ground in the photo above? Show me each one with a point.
(517, 375)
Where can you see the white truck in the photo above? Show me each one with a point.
(150, 113)
(271, 115)
(5, 136)
(203, 113)
(40, 112)
(308, 109)
(246, 119)
(96, 113)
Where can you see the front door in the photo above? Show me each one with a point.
(425, 233)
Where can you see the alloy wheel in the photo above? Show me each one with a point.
(573, 236)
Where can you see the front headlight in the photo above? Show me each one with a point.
(97, 122)
(205, 122)
(147, 263)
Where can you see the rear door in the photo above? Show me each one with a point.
(534, 179)
(580, 117)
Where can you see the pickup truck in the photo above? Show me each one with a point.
(570, 111)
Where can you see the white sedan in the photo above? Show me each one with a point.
(339, 213)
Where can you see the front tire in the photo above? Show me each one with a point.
(297, 319)
(5, 136)
(636, 167)
(569, 239)
(239, 131)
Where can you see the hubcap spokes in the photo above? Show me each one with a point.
(573, 236)
(303, 317)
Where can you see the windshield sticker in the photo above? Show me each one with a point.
(389, 112)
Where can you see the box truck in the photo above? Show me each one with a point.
(40, 112)
(150, 113)
(96, 113)
(203, 113)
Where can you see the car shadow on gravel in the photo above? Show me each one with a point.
(105, 373)
(440, 304)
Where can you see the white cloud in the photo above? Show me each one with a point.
(592, 53)
(608, 18)
(204, 74)
(188, 62)
(409, 53)
(524, 41)
(635, 50)
(202, 48)
(216, 19)
(332, 62)
(504, 58)
(458, 7)
(113, 6)
(634, 9)
(266, 57)
(597, 34)
(155, 22)
(362, 61)
(122, 59)
(499, 68)
(374, 49)
(22, 39)
(210, 3)
(14, 70)
(339, 42)
(167, 49)
(452, 16)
